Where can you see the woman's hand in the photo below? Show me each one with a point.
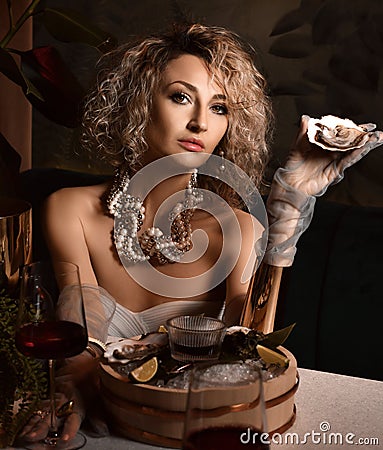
(310, 169)
(308, 172)
(76, 380)
(38, 425)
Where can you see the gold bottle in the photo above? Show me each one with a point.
(260, 304)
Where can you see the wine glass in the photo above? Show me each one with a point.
(45, 330)
(225, 408)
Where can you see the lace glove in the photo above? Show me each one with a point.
(79, 374)
(308, 172)
(75, 381)
(99, 309)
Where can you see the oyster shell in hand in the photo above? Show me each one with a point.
(133, 349)
(335, 134)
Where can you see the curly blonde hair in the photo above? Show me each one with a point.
(117, 112)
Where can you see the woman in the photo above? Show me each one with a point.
(175, 99)
(193, 92)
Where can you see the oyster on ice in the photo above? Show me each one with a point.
(132, 349)
(335, 134)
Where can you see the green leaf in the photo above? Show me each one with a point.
(20, 377)
(69, 26)
(276, 338)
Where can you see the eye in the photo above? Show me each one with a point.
(180, 97)
(220, 109)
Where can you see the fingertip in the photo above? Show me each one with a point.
(71, 427)
(368, 126)
(378, 135)
(31, 435)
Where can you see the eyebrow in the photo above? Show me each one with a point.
(192, 88)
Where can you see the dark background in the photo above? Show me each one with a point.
(320, 57)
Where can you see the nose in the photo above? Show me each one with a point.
(198, 122)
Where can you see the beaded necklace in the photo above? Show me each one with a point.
(152, 244)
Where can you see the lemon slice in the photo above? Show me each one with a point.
(146, 371)
(272, 357)
(162, 329)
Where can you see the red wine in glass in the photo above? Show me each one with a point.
(49, 328)
(225, 408)
(52, 339)
(226, 438)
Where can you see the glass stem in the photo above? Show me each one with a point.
(53, 429)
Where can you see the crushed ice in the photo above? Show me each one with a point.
(225, 374)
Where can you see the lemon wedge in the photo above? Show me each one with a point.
(272, 357)
(162, 329)
(146, 371)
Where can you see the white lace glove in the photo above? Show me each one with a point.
(79, 374)
(74, 381)
(99, 309)
(308, 172)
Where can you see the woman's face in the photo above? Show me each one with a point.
(189, 111)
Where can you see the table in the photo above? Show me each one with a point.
(351, 407)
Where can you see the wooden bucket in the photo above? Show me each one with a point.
(156, 415)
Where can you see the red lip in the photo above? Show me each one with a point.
(192, 144)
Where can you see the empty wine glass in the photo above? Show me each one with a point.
(42, 332)
(225, 408)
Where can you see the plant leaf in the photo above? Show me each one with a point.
(336, 20)
(276, 338)
(318, 75)
(69, 26)
(289, 22)
(60, 89)
(292, 88)
(371, 34)
(10, 69)
(362, 72)
(294, 45)
(10, 162)
(297, 17)
(19, 374)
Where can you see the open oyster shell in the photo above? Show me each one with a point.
(335, 134)
(132, 349)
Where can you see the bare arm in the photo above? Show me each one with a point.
(64, 218)
(238, 281)
(63, 224)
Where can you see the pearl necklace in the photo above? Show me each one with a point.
(129, 214)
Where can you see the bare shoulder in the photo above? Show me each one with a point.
(249, 223)
(84, 199)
